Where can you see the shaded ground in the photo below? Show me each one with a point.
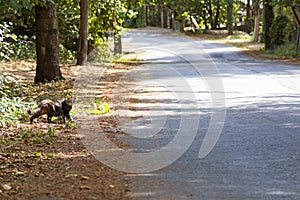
(49, 161)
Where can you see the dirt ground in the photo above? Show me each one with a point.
(57, 167)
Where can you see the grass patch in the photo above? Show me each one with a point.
(95, 107)
(127, 58)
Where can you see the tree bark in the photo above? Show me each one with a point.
(248, 28)
(117, 44)
(230, 17)
(83, 33)
(210, 13)
(216, 20)
(268, 18)
(47, 44)
(256, 21)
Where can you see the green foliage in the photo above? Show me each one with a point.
(68, 13)
(12, 106)
(105, 17)
(287, 50)
(12, 110)
(10, 87)
(280, 33)
(95, 107)
(13, 46)
(101, 53)
(20, 13)
(99, 108)
(65, 55)
(38, 136)
(130, 19)
(5, 38)
(24, 48)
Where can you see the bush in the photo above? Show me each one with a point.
(65, 55)
(282, 31)
(23, 48)
(5, 37)
(10, 87)
(12, 106)
(13, 46)
(286, 50)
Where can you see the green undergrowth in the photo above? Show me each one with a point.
(13, 105)
(284, 51)
(16, 97)
(27, 136)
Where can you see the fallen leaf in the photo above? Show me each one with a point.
(84, 187)
(6, 186)
(84, 178)
(19, 173)
(71, 175)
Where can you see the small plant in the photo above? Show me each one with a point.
(38, 136)
(25, 133)
(42, 137)
(37, 154)
(71, 125)
(99, 108)
(51, 131)
(129, 58)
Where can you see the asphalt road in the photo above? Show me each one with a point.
(246, 110)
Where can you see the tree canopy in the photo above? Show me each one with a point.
(18, 23)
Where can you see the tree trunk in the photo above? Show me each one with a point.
(205, 20)
(230, 17)
(216, 20)
(162, 16)
(210, 14)
(268, 18)
(256, 21)
(117, 44)
(47, 45)
(83, 33)
(248, 27)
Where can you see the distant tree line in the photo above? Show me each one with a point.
(272, 20)
(52, 31)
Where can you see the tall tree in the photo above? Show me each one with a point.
(47, 45)
(268, 18)
(210, 13)
(256, 11)
(217, 15)
(83, 33)
(248, 17)
(230, 17)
